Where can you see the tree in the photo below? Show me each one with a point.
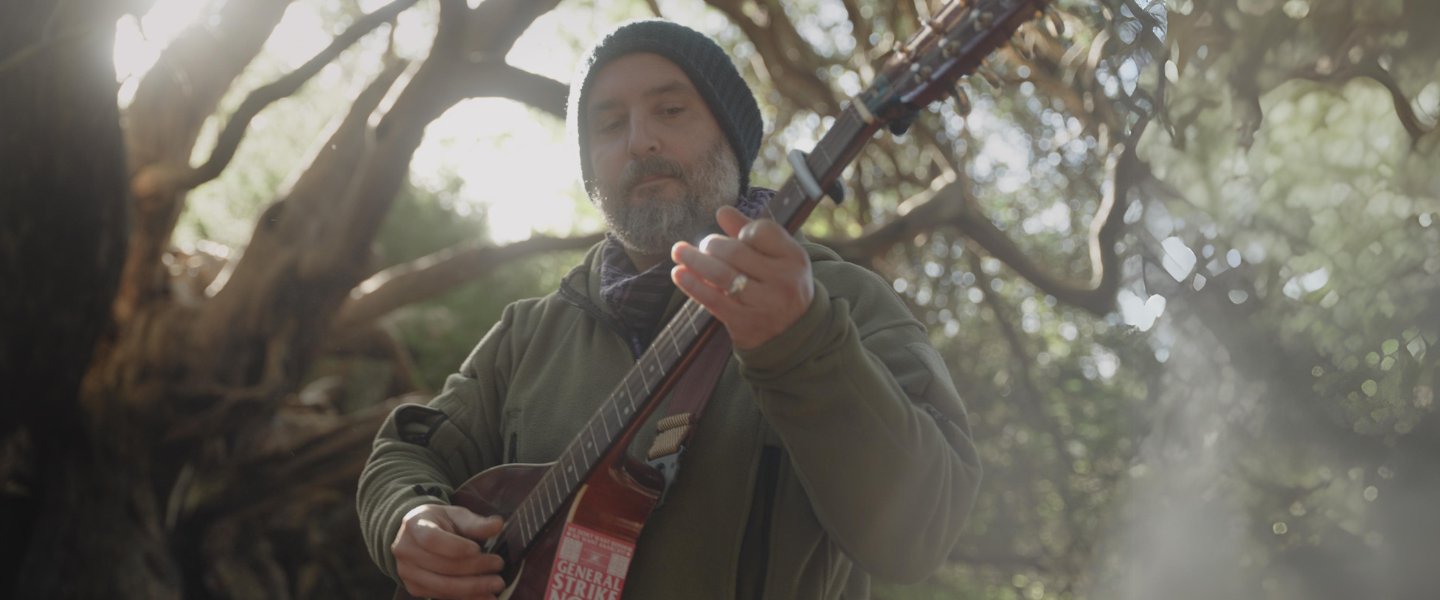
(1199, 161)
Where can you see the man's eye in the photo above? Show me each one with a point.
(671, 111)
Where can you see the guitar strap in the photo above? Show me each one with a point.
(687, 404)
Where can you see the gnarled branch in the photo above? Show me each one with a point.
(952, 206)
(494, 79)
(788, 58)
(438, 273)
(163, 122)
(1372, 70)
(333, 453)
(170, 177)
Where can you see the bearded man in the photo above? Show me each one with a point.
(835, 447)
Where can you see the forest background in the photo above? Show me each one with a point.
(1182, 259)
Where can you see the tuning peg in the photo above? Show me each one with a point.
(1054, 21)
(984, 19)
(901, 125)
(921, 72)
(990, 76)
(883, 51)
(962, 100)
(1024, 45)
(947, 48)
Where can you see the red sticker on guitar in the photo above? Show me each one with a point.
(589, 565)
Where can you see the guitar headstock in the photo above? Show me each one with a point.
(951, 44)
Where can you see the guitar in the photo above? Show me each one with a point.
(596, 497)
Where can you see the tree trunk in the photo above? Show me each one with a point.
(83, 521)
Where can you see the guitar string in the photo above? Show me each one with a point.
(531, 514)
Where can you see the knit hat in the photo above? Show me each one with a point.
(703, 61)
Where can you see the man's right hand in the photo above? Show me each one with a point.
(437, 554)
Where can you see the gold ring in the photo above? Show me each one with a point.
(737, 285)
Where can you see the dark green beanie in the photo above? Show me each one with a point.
(709, 69)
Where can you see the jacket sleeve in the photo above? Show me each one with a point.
(874, 427)
(423, 452)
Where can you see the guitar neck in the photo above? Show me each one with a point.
(791, 205)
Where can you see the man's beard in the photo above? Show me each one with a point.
(657, 219)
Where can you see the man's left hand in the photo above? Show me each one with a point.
(755, 279)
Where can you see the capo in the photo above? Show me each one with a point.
(809, 184)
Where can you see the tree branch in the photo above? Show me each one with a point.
(953, 206)
(170, 178)
(495, 25)
(430, 276)
(163, 122)
(1372, 70)
(334, 454)
(493, 79)
(861, 29)
(262, 296)
(311, 248)
(790, 61)
(191, 76)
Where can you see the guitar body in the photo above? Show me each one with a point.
(614, 502)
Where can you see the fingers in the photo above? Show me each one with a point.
(436, 556)
(704, 292)
(471, 525)
(756, 248)
(720, 260)
(430, 575)
(775, 268)
(418, 556)
(731, 220)
(437, 536)
(765, 236)
(424, 584)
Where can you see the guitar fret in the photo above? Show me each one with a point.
(642, 374)
(823, 151)
(629, 404)
(555, 497)
(650, 365)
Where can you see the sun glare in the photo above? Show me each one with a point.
(138, 42)
(513, 162)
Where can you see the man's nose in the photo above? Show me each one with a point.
(643, 140)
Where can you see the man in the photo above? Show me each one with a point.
(835, 447)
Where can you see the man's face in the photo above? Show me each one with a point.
(661, 164)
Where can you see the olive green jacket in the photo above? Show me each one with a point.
(837, 451)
